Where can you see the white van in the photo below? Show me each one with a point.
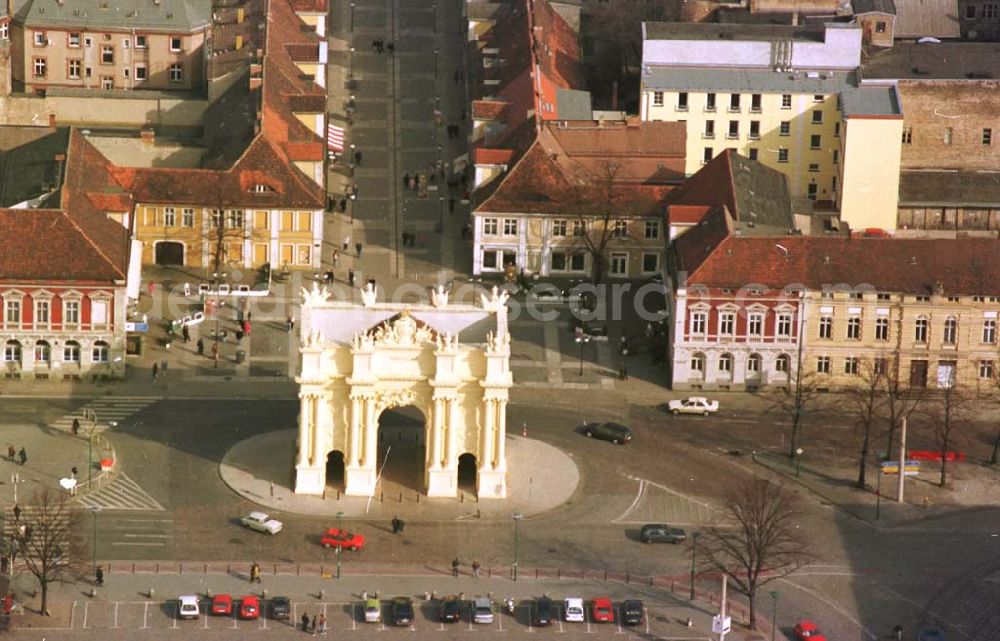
(573, 610)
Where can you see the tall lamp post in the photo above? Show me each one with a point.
(517, 535)
(217, 276)
(340, 528)
(580, 339)
(694, 556)
(774, 613)
(93, 512)
(798, 462)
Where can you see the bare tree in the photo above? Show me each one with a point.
(900, 400)
(47, 526)
(762, 543)
(596, 207)
(225, 227)
(795, 400)
(866, 401)
(949, 415)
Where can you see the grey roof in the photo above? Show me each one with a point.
(871, 101)
(573, 104)
(949, 188)
(762, 194)
(946, 60)
(28, 165)
(338, 322)
(873, 6)
(176, 16)
(745, 80)
(709, 31)
(919, 18)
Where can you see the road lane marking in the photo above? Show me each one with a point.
(835, 606)
(638, 497)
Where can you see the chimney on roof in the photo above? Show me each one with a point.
(52, 120)
(939, 288)
(148, 136)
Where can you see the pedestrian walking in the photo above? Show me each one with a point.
(99, 576)
(17, 512)
(312, 625)
(246, 327)
(156, 370)
(305, 622)
(342, 206)
(249, 316)
(11, 452)
(406, 181)
(391, 47)
(395, 525)
(347, 241)
(322, 624)
(23, 454)
(201, 347)
(350, 278)
(454, 566)
(475, 569)
(215, 351)
(4, 564)
(897, 632)
(76, 426)
(272, 489)
(358, 247)
(357, 157)
(336, 257)
(291, 323)
(186, 334)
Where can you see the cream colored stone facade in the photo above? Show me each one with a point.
(358, 361)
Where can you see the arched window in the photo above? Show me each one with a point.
(43, 353)
(698, 364)
(783, 363)
(12, 352)
(100, 352)
(754, 364)
(71, 352)
(726, 363)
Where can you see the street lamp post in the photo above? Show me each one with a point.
(93, 512)
(878, 494)
(694, 555)
(798, 462)
(774, 613)
(216, 277)
(517, 536)
(580, 339)
(340, 528)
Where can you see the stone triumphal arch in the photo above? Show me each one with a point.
(449, 361)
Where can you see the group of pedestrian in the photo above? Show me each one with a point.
(21, 454)
(397, 525)
(346, 243)
(313, 625)
(458, 76)
(379, 46)
(453, 132)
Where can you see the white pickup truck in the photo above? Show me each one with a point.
(693, 405)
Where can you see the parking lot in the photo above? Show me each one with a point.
(348, 618)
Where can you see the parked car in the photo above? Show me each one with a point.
(187, 607)
(661, 533)
(633, 612)
(693, 405)
(281, 608)
(449, 610)
(543, 611)
(222, 604)
(261, 522)
(573, 609)
(617, 434)
(601, 610)
(249, 607)
(928, 634)
(482, 610)
(402, 610)
(806, 630)
(373, 610)
(334, 538)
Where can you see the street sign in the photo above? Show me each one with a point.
(721, 624)
(136, 327)
(912, 468)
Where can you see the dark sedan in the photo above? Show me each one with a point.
(661, 533)
(401, 611)
(613, 432)
(543, 611)
(632, 612)
(448, 611)
(281, 608)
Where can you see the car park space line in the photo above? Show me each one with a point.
(618, 619)
(531, 620)
(354, 616)
(86, 607)
(207, 616)
(116, 615)
(145, 616)
(174, 615)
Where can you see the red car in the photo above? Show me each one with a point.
(222, 604)
(334, 538)
(807, 631)
(602, 611)
(249, 607)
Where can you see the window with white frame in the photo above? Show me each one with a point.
(754, 364)
(826, 327)
(99, 313)
(234, 219)
(510, 226)
(12, 313)
(176, 72)
(42, 312)
(169, 217)
(950, 335)
(784, 326)
(880, 366)
(854, 328)
(43, 352)
(41, 39)
(783, 363)
(851, 365)
(986, 369)
(620, 229)
(579, 228)
(559, 228)
(920, 330)
(73, 40)
(71, 312)
(140, 41)
(727, 324)
(726, 363)
(99, 354)
(990, 331)
(490, 226)
(650, 262)
(12, 351)
(823, 365)
(652, 229)
(175, 43)
(73, 69)
(71, 352)
(107, 55)
(618, 264)
(557, 261)
(40, 67)
(140, 72)
(698, 363)
(882, 329)
(755, 325)
(657, 98)
(699, 323)
(578, 262)
(187, 217)
(682, 101)
(786, 101)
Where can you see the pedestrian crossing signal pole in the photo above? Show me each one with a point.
(902, 460)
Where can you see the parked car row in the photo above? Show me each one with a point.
(246, 607)
(482, 610)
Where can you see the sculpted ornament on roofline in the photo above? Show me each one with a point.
(315, 296)
(393, 398)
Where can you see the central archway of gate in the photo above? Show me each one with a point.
(413, 396)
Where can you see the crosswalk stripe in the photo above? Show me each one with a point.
(106, 409)
(122, 494)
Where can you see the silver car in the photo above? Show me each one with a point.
(482, 610)
(262, 523)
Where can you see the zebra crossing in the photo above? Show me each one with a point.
(121, 494)
(107, 411)
(29, 517)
